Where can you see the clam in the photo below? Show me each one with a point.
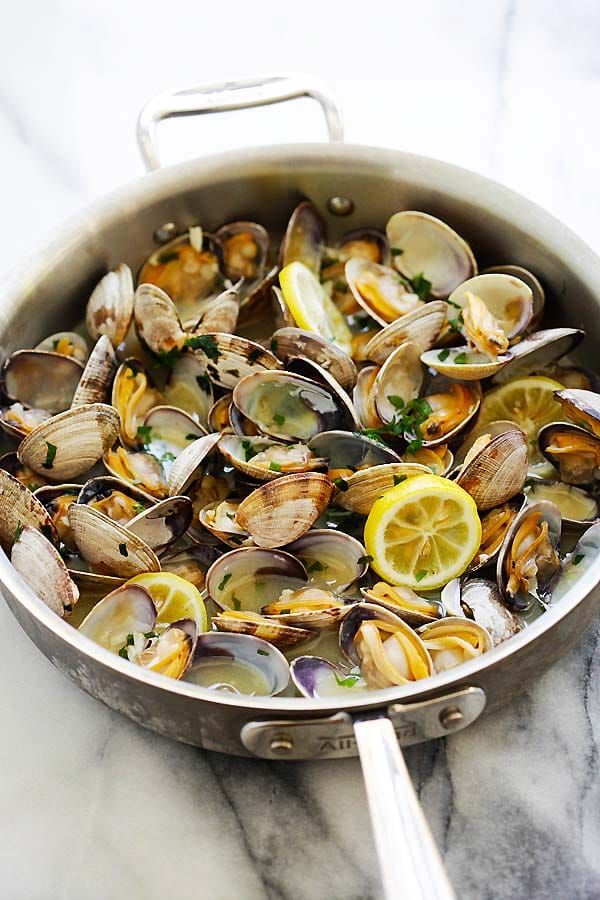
(9, 462)
(482, 330)
(308, 607)
(423, 325)
(216, 314)
(125, 613)
(574, 451)
(228, 358)
(436, 458)
(219, 519)
(507, 300)
(70, 443)
(281, 511)
(304, 238)
(190, 462)
(307, 368)
(18, 420)
(133, 395)
(333, 560)
(363, 397)
(381, 292)
(398, 381)
(218, 415)
(139, 469)
(348, 451)
(453, 641)
(190, 562)
(67, 343)
(315, 678)
(362, 243)
(57, 498)
(40, 564)
(287, 343)
(582, 407)
(166, 432)
(359, 491)
(110, 307)
(163, 524)
(408, 605)
(463, 363)
(481, 598)
(157, 321)
(290, 407)
(528, 561)
(249, 578)
(268, 629)
(171, 652)
(577, 507)
(424, 245)
(190, 388)
(264, 460)
(245, 249)
(496, 469)
(94, 384)
(387, 650)
(18, 508)
(537, 291)
(41, 380)
(495, 524)
(579, 564)
(117, 499)
(188, 270)
(452, 407)
(538, 350)
(108, 547)
(238, 664)
(493, 429)
(282, 316)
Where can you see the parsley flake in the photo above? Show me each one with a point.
(420, 575)
(460, 359)
(123, 550)
(262, 652)
(50, 454)
(396, 251)
(341, 484)
(224, 582)
(347, 682)
(237, 603)
(421, 286)
(144, 434)
(398, 479)
(578, 559)
(365, 560)
(278, 418)
(254, 355)
(316, 566)
(274, 466)
(443, 354)
(206, 343)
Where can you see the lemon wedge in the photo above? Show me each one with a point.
(311, 307)
(174, 598)
(423, 532)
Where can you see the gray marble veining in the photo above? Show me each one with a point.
(93, 806)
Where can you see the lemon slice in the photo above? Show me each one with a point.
(310, 306)
(174, 597)
(527, 401)
(423, 532)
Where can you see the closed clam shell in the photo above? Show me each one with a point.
(156, 320)
(360, 490)
(290, 342)
(18, 508)
(500, 426)
(110, 307)
(40, 564)
(229, 358)
(422, 325)
(497, 472)
(282, 511)
(401, 376)
(96, 378)
(108, 546)
(40, 379)
(80, 437)
(186, 466)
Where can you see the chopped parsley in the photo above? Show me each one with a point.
(365, 560)
(18, 531)
(396, 251)
(33, 486)
(144, 434)
(398, 479)
(443, 354)
(167, 457)
(578, 559)
(169, 256)
(138, 508)
(123, 653)
(347, 682)
(316, 566)
(396, 401)
(224, 582)
(254, 355)
(460, 359)
(237, 603)
(191, 437)
(50, 454)
(165, 358)
(421, 286)
(341, 287)
(341, 484)
(420, 575)
(278, 418)
(274, 466)
(203, 382)
(262, 652)
(457, 323)
(284, 612)
(207, 344)
(249, 450)
(406, 424)
(235, 373)
(47, 531)
(150, 634)
(123, 550)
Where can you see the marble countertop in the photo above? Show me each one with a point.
(93, 806)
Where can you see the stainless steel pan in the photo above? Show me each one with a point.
(356, 186)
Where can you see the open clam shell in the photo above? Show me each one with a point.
(171, 653)
(349, 451)
(304, 238)
(139, 469)
(10, 462)
(17, 420)
(281, 511)
(189, 388)
(94, 384)
(292, 342)
(163, 524)
(578, 507)
(218, 415)
(157, 321)
(290, 407)
(70, 443)
(423, 325)
(109, 310)
(308, 607)
(18, 508)
(574, 451)
(229, 358)
(538, 350)
(483, 602)
(41, 379)
(190, 562)
(307, 368)
(528, 562)
(238, 664)
(167, 431)
(217, 314)
(532, 282)
(507, 298)
(422, 244)
(128, 610)
(453, 406)
(363, 397)
(399, 380)
(493, 429)
(40, 564)
(249, 577)
(453, 641)
(333, 560)
(188, 464)
(57, 498)
(133, 395)
(380, 290)
(584, 556)
(67, 343)
(219, 519)
(108, 547)
(497, 471)
(582, 408)
(463, 363)
(245, 250)
(495, 524)
(265, 460)
(114, 497)
(436, 458)
(359, 491)
(316, 678)
(404, 602)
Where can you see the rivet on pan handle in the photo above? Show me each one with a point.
(225, 96)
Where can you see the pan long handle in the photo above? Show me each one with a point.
(411, 866)
(224, 96)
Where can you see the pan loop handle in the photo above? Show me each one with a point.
(410, 863)
(224, 96)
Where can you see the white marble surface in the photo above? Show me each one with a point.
(94, 807)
